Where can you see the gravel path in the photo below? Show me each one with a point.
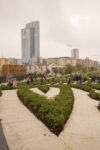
(82, 131)
(23, 131)
(50, 94)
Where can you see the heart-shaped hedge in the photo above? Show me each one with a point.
(53, 114)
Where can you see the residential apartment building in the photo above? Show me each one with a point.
(72, 62)
(60, 61)
(38, 67)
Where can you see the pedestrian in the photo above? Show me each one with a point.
(28, 82)
(80, 79)
(10, 82)
(69, 81)
(15, 83)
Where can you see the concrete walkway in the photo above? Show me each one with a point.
(50, 94)
(3, 143)
(23, 131)
(82, 131)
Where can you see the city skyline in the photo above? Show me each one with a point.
(64, 25)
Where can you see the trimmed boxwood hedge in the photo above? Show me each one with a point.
(53, 113)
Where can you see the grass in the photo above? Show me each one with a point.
(53, 113)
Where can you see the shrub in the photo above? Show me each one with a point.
(53, 113)
(0, 92)
(94, 95)
(44, 88)
(98, 106)
(83, 87)
(6, 87)
(95, 86)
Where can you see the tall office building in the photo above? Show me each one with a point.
(75, 53)
(30, 42)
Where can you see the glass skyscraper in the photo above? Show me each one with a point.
(75, 53)
(30, 42)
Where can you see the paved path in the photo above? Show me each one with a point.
(50, 94)
(3, 143)
(97, 91)
(82, 131)
(22, 130)
(25, 132)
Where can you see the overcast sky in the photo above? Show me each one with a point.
(64, 24)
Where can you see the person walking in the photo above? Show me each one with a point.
(15, 83)
(69, 81)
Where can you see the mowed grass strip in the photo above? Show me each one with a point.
(53, 114)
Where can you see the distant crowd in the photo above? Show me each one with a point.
(75, 79)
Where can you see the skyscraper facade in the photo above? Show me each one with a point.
(75, 53)
(30, 42)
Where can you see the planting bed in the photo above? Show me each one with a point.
(94, 95)
(53, 114)
(83, 87)
(0, 92)
(44, 88)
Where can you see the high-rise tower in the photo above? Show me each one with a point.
(30, 42)
(75, 53)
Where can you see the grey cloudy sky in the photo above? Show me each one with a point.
(64, 24)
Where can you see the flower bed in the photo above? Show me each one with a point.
(55, 113)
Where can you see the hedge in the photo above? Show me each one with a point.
(83, 87)
(53, 113)
(94, 95)
(6, 87)
(44, 88)
(0, 92)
